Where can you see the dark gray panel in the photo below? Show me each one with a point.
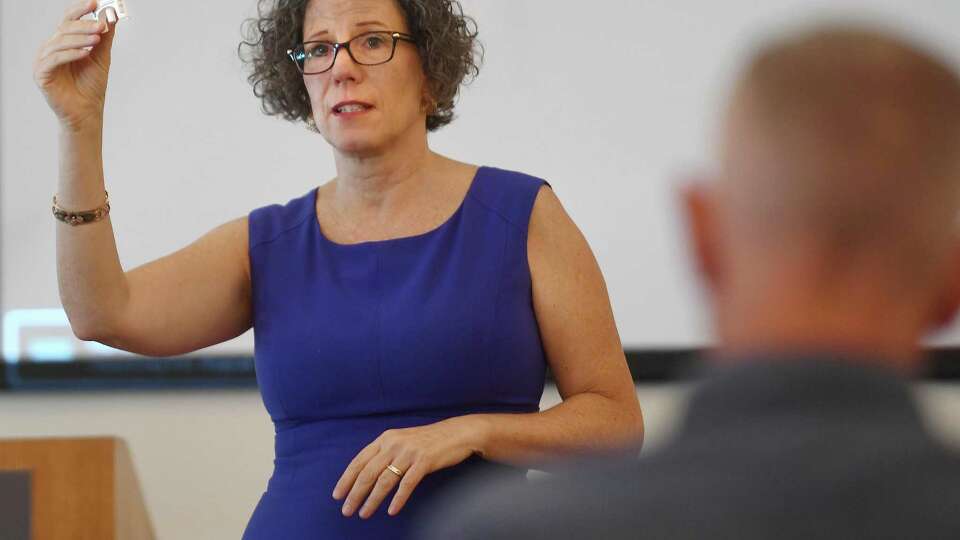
(14, 505)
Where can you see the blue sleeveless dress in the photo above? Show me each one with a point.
(353, 340)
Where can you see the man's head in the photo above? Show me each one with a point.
(833, 224)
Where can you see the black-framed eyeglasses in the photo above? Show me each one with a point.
(367, 49)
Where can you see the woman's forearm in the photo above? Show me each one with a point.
(91, 279)
(582, 424)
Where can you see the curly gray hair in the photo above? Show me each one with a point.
(446, 40)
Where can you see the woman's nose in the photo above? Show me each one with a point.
(344, 68)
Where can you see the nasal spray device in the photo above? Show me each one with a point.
(113, 10)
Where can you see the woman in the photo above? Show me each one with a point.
(404, 312)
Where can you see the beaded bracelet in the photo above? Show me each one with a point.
(81, 218)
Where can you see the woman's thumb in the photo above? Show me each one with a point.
(102, 50)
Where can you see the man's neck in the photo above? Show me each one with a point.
(855, 320)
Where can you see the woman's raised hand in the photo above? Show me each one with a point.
(71, 68)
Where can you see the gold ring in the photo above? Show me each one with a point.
(392, 468)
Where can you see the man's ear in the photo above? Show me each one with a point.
(699, 209)
(949, 298)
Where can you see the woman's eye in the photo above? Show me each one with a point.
(319, 50)
(374, 42)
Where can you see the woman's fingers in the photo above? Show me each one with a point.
(350, 474)
(411, 479)
(79, 9)
(63, 50)
(80, 27)
(387, 481)
(365, 482)
(52, 61)
(67, 42)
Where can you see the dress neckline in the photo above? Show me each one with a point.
(431, 232)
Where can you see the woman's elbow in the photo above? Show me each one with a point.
(630, 426)
(634, 426)
(88, 329)
(95, 329)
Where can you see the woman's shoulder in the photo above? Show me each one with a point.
(511, 194)
(269, 222)
(512, 180)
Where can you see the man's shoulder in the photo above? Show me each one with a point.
(573, 503)
(671, 495)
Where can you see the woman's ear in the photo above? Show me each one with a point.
(428, 104)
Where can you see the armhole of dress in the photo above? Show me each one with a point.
(526, 230)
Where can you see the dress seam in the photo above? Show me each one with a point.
(277, 236)
(495, 211)
(496, 309)
(379, 324)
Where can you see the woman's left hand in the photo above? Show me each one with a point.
(415, 452)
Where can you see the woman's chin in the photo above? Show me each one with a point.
(356, 146)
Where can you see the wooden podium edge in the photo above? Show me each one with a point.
(81, 488)
(131, 519)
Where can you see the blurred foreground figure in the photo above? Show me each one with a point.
(828, 246)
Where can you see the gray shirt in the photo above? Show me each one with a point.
(798, 448)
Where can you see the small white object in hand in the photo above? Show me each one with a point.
(113, 9)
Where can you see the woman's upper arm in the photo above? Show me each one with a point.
(191, 299)
(572, 307)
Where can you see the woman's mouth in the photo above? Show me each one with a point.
(351, 108)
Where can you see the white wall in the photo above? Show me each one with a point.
(203, 458)
(611, 100)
